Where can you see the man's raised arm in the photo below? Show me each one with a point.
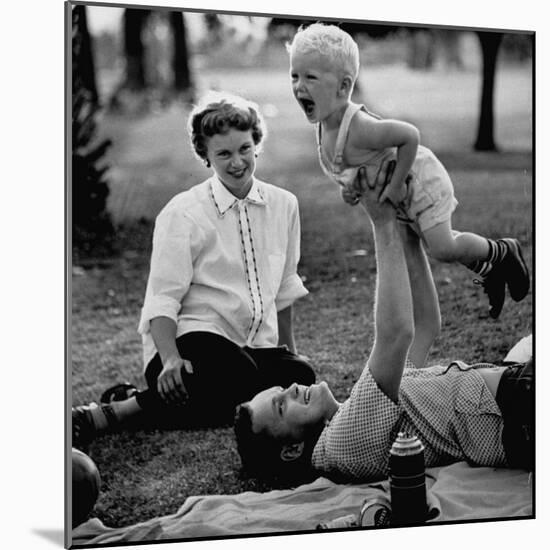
(393, 312)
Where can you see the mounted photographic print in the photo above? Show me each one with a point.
(302, 254)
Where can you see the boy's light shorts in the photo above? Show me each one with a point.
(430, 197)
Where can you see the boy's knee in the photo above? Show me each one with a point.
(441, 243)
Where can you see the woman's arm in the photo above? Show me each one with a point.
(291, 286)
(171, 270)
(169, 280)
(286, 333)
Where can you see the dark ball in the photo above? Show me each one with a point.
(86, 484)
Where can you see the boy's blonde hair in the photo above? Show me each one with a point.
(217, 113)
(329, 41)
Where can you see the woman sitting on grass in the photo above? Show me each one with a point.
(481, 413)
(216, 323)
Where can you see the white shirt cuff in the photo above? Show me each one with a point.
(158, 306)
(291, 289)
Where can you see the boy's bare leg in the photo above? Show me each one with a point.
(447, 245)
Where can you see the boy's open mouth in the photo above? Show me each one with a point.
(307, 105)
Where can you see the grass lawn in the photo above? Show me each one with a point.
(147, 473)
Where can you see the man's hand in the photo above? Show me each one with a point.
(394, 194)
(350, 195)
(170, 383)
(371, 192)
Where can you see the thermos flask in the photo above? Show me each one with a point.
(407, 481)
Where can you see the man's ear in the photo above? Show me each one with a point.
(292, 451)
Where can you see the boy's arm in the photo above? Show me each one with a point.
(393, 314)
(380, 134)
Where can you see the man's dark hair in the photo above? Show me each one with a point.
(261, 454)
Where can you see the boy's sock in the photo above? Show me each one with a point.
(497, 251)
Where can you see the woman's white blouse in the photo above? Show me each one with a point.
(224, 265)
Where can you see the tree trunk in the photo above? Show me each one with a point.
(83, 69)
(134, 51)
(180, 58)
(92, 227)
(490, 43)
(421, 50)
(214, 28)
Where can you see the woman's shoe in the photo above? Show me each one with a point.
(118, 392)
(84, 426)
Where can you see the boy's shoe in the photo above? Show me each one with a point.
(494, 285)
(515, 270)
(512, 271)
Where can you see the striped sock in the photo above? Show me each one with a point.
(497, 251)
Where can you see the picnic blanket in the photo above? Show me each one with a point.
(457, 492)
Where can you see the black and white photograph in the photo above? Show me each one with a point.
(300, 275)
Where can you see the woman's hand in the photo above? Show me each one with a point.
(170, 383)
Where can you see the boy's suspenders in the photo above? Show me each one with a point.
(351, 110)
(342, 136)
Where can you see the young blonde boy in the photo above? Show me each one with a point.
(324, 65)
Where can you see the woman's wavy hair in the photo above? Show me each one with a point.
(217, 113)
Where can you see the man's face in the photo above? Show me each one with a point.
(290, 414)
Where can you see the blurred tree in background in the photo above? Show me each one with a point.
(145, 79)
(92, 224)
(490, 44)
(134, 50)
(214, 28)
(180, 59)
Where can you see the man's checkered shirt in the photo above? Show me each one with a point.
(450, 409)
